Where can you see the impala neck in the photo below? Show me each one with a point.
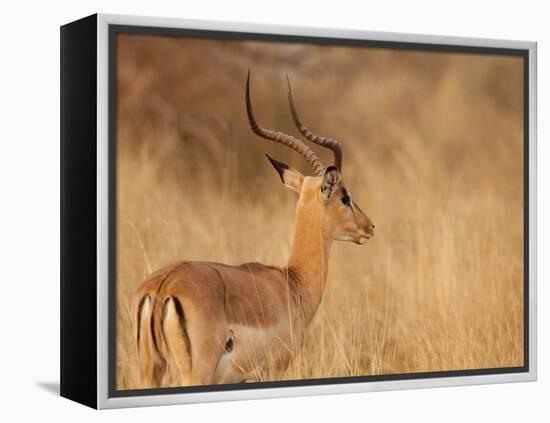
(309, 258)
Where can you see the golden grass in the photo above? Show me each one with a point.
(432, 154)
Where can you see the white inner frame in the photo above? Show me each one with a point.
(103, 400)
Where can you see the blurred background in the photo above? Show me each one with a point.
(433, 153)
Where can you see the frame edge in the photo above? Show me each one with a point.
(78, 308)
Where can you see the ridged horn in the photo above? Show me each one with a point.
(280, 137)
(329, 143)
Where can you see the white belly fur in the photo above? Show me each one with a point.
(253, 349)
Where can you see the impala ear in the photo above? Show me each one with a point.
(290, 177)
(330, 182)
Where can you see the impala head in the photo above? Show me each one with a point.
(322, 195)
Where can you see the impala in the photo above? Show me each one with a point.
(215, 323)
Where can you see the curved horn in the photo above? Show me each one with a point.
(329, 143)
(297, 145)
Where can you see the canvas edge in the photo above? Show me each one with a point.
(103, 399)
(77, 306)
(533, 210)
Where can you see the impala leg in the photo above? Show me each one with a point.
(175, 334)
(152, 367)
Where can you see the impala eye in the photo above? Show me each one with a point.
(346, 199)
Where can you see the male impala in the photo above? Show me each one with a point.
(215, 323)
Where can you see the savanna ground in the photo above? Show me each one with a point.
(432, 153)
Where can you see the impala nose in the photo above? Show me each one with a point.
(370, 229)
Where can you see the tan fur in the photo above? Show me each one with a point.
(177, 340)
(152, 364)
(236, 319)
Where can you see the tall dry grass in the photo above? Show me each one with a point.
(432, 153)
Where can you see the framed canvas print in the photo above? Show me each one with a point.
(254, 211)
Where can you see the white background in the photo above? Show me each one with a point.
(29, 223)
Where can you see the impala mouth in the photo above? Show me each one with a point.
(363, 239)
